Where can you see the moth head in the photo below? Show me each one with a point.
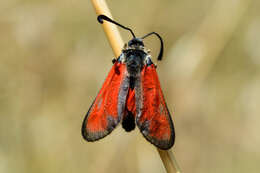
(136, 43)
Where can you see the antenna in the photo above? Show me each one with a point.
(103, 17)
(161, 49)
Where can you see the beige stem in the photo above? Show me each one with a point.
(111, 30)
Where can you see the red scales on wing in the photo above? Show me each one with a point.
(108, 107)
(130, 101)
(128, 122)
(155, 120)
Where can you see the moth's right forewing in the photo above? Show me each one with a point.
(153, 117)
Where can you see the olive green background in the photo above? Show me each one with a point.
(54, 57)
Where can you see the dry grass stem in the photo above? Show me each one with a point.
(111, 30)
(169, 161)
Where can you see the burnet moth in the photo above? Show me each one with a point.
(131, 94)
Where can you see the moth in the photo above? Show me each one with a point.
(131, 94)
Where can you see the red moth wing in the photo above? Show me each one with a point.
(128, 122)
(108, 108)
(130, 101)
(153, 117)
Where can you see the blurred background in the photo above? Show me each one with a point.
(54, 57)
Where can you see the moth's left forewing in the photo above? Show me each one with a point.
(153, 117)
(108, 108)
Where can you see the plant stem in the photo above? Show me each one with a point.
(111, 30)
(169, 161)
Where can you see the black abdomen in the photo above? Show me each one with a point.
(128, 122)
